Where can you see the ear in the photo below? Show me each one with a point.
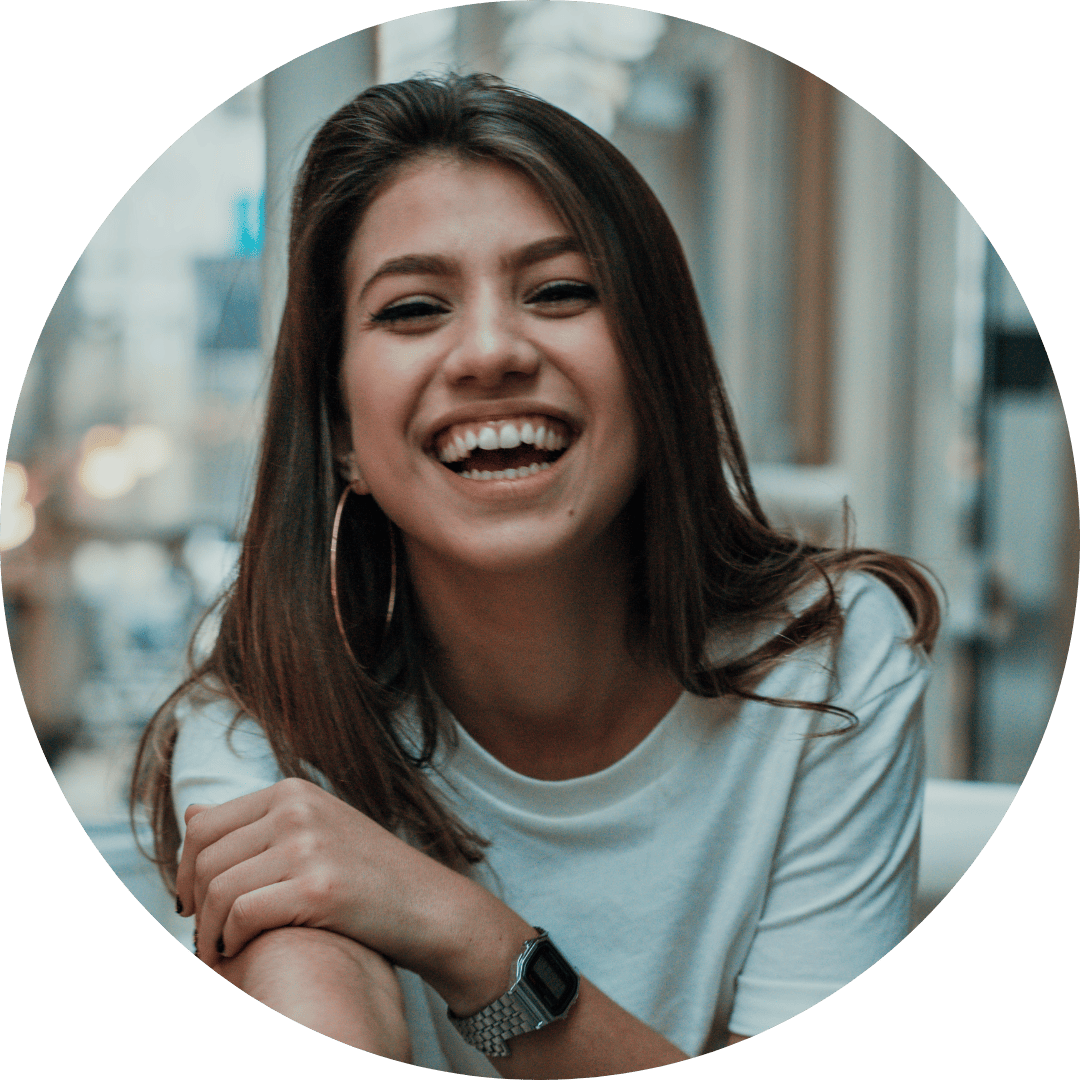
(351, 474)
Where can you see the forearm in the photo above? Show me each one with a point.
(341, 989)
(294, 856)
(596, 1038)
(326, 982)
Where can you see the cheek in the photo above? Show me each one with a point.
(373, 396)
(630, 473)
(631, 442)
(622, 415)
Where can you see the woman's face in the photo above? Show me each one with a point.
(487, 404)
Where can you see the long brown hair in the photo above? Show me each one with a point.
(706, 558)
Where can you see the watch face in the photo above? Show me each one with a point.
(551, 978)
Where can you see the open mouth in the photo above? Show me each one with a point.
(506, 449)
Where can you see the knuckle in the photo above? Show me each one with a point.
(194, 831)
(291, 786)
(244, 913)
(304, 846)
(215, 892)
(202, 866)
(297, 813)
(318, 886)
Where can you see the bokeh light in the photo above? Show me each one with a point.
(114, 460)
(16, 514)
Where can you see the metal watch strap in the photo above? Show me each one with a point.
(517, 1011)
(489, 1029)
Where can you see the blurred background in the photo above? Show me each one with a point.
(875, 347)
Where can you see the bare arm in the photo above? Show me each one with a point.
(341, 989)
(294, 856)
(596, 1038)
(326, 982)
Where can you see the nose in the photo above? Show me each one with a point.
(492, 348)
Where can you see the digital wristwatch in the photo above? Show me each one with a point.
(545, 986)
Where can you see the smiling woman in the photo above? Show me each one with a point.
(512, 642)
(471, 316)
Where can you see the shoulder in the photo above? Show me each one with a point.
(219, 753)
(865, 597)
(215, 738)
(875, 677)
(875, 651)
(206, 714)
(870, 654)
(873, 619)
(224, 752)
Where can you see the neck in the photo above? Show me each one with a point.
(538, 666)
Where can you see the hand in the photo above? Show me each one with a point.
(294, 855)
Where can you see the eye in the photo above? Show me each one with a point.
(412, 313)
(563, 297)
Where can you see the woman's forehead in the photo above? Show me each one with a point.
(449, 206)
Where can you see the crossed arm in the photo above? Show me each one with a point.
(305, 903)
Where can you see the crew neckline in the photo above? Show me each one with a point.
(469, 765)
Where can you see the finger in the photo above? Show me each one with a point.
(189, 813)
(267, 908)
(233, 849)
(226, 891)
(193, 809)
(206, 826)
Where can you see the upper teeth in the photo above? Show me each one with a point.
(502, 435)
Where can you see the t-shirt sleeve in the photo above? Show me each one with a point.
(843, 877)
(215, 761)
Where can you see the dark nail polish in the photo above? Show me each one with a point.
(179, 906)
(221, 946)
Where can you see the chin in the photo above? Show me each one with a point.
(509, 552)
(526, 557)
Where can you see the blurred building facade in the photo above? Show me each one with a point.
(876, 350)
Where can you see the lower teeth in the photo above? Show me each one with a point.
(506, 474)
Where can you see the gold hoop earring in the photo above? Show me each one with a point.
(333, 574)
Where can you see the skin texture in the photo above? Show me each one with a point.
(327, 982)
(466, 300)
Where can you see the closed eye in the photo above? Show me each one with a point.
(415, 311)
(563, 297)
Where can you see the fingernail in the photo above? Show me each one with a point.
(221, 946)
(179, 906)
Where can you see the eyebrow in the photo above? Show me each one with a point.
(540, 250)
(440, 266)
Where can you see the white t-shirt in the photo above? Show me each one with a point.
(727, 873)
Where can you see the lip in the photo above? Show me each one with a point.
(491, 412)
(494, 411)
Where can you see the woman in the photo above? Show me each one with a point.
(512, 626)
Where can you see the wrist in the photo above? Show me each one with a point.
(543, 989)
(481, 945)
